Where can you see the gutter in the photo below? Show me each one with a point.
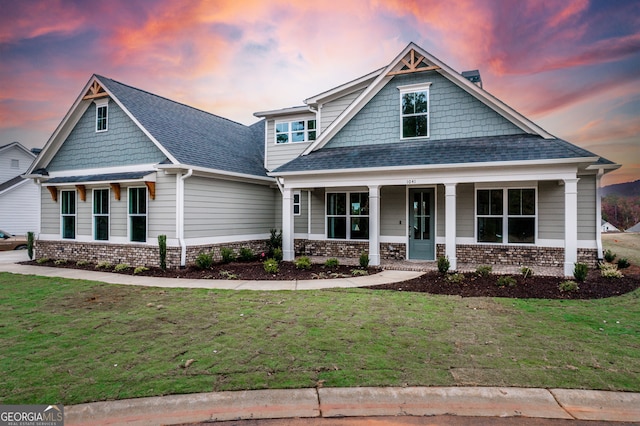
(180, 217)
(599, 216)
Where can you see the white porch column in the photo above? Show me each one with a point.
(374, 225)
(450, 224)
(288, 251)
(570, 225)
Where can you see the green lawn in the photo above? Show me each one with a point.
(623, 245)
(69, 341)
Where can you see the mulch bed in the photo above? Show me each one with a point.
(472, 285)
(536, 287)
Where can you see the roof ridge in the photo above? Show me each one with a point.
(170, 100)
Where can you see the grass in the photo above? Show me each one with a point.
(72, 341)
(623, 245)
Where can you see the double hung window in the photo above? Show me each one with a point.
(510, 212)
(138, 214)
(348, 215)
(68, 214)
(295, 131)
(101, 214)
(414, 111)
(102, 110)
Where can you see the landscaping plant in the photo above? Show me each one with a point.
(246, 254)
(364, 260)
(30, 238)
(484, 270)
(227, 254)
(332, 263)
(443, 264)
(204, 260)
(303, 263)
(270, 266)
(580, 271)
(609, 256)
(623, 263)
(162, 245)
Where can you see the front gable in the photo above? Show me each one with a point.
(122, 144)
(453, 114)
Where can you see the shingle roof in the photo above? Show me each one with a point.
(523, 147)
(110, 177)
(11, 182)
(194, 137)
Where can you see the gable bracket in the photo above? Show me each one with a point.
(412, 65)
(54, 193)
(115, 187)
(82, 190)
(152, 189)
(95, 91)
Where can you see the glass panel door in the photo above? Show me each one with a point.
(421, 241)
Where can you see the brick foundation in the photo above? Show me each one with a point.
(330, 248)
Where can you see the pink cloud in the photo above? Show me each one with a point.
(29, 19)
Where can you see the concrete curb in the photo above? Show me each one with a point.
(361, 402)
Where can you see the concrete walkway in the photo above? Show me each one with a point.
(329, 402)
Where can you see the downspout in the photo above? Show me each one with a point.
(180, 217)
(599, 215)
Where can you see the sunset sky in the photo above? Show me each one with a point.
(572, 66)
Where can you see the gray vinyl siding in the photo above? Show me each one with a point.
(50, 213)
(279, 154)
(453, 114)
(122, 144)
(393, 211)
(317, 211)
(217, 208)
(440, 211)
(331, 110)
(587, 208)
(84, 215)
(278, 211)
(14, 153)
(161, 213)
(118, 214)
(300, 222)
(465, 205)
(550, 210)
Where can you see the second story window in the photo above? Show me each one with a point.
(295, 131)
(102, 121)
(414, 111)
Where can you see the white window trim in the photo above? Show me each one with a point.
(94, 215)
(347, 215)
(505, 213)
(410, 88)
(102, 103)
(291, 120)
(298, 204)
(74, 215)
(130, 215)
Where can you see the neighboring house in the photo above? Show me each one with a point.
(607, 227)
(19, 197)
(411, 161)
(634, 228)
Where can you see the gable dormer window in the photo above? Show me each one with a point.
(414, 111)
(295, 131)
(102, 115)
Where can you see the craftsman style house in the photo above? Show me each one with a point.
(412, 161)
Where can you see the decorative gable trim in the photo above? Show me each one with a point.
(95, 91)
(407, 62)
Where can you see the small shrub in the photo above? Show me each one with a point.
(623, 263)
(580, 272)
(274, 242)
(506, 281)
(228, 275)
(364, 260)
(359, 272)
(227, 254)
(204, 260)
(121, 267)
(82, 263)
(30, 239)
(609, 256)
(140, 269)
(443, 264)
(60, 262)
(455, 278)
(484, 270)
(42, 260)
(526, 272)
(246, 254)
(332, 263)
(566, 286)
(303, 263)
(609, 270)
(162, 245)
(103, 265)
(270, 266)
(277, 254)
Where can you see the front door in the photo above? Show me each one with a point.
(421, 224)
